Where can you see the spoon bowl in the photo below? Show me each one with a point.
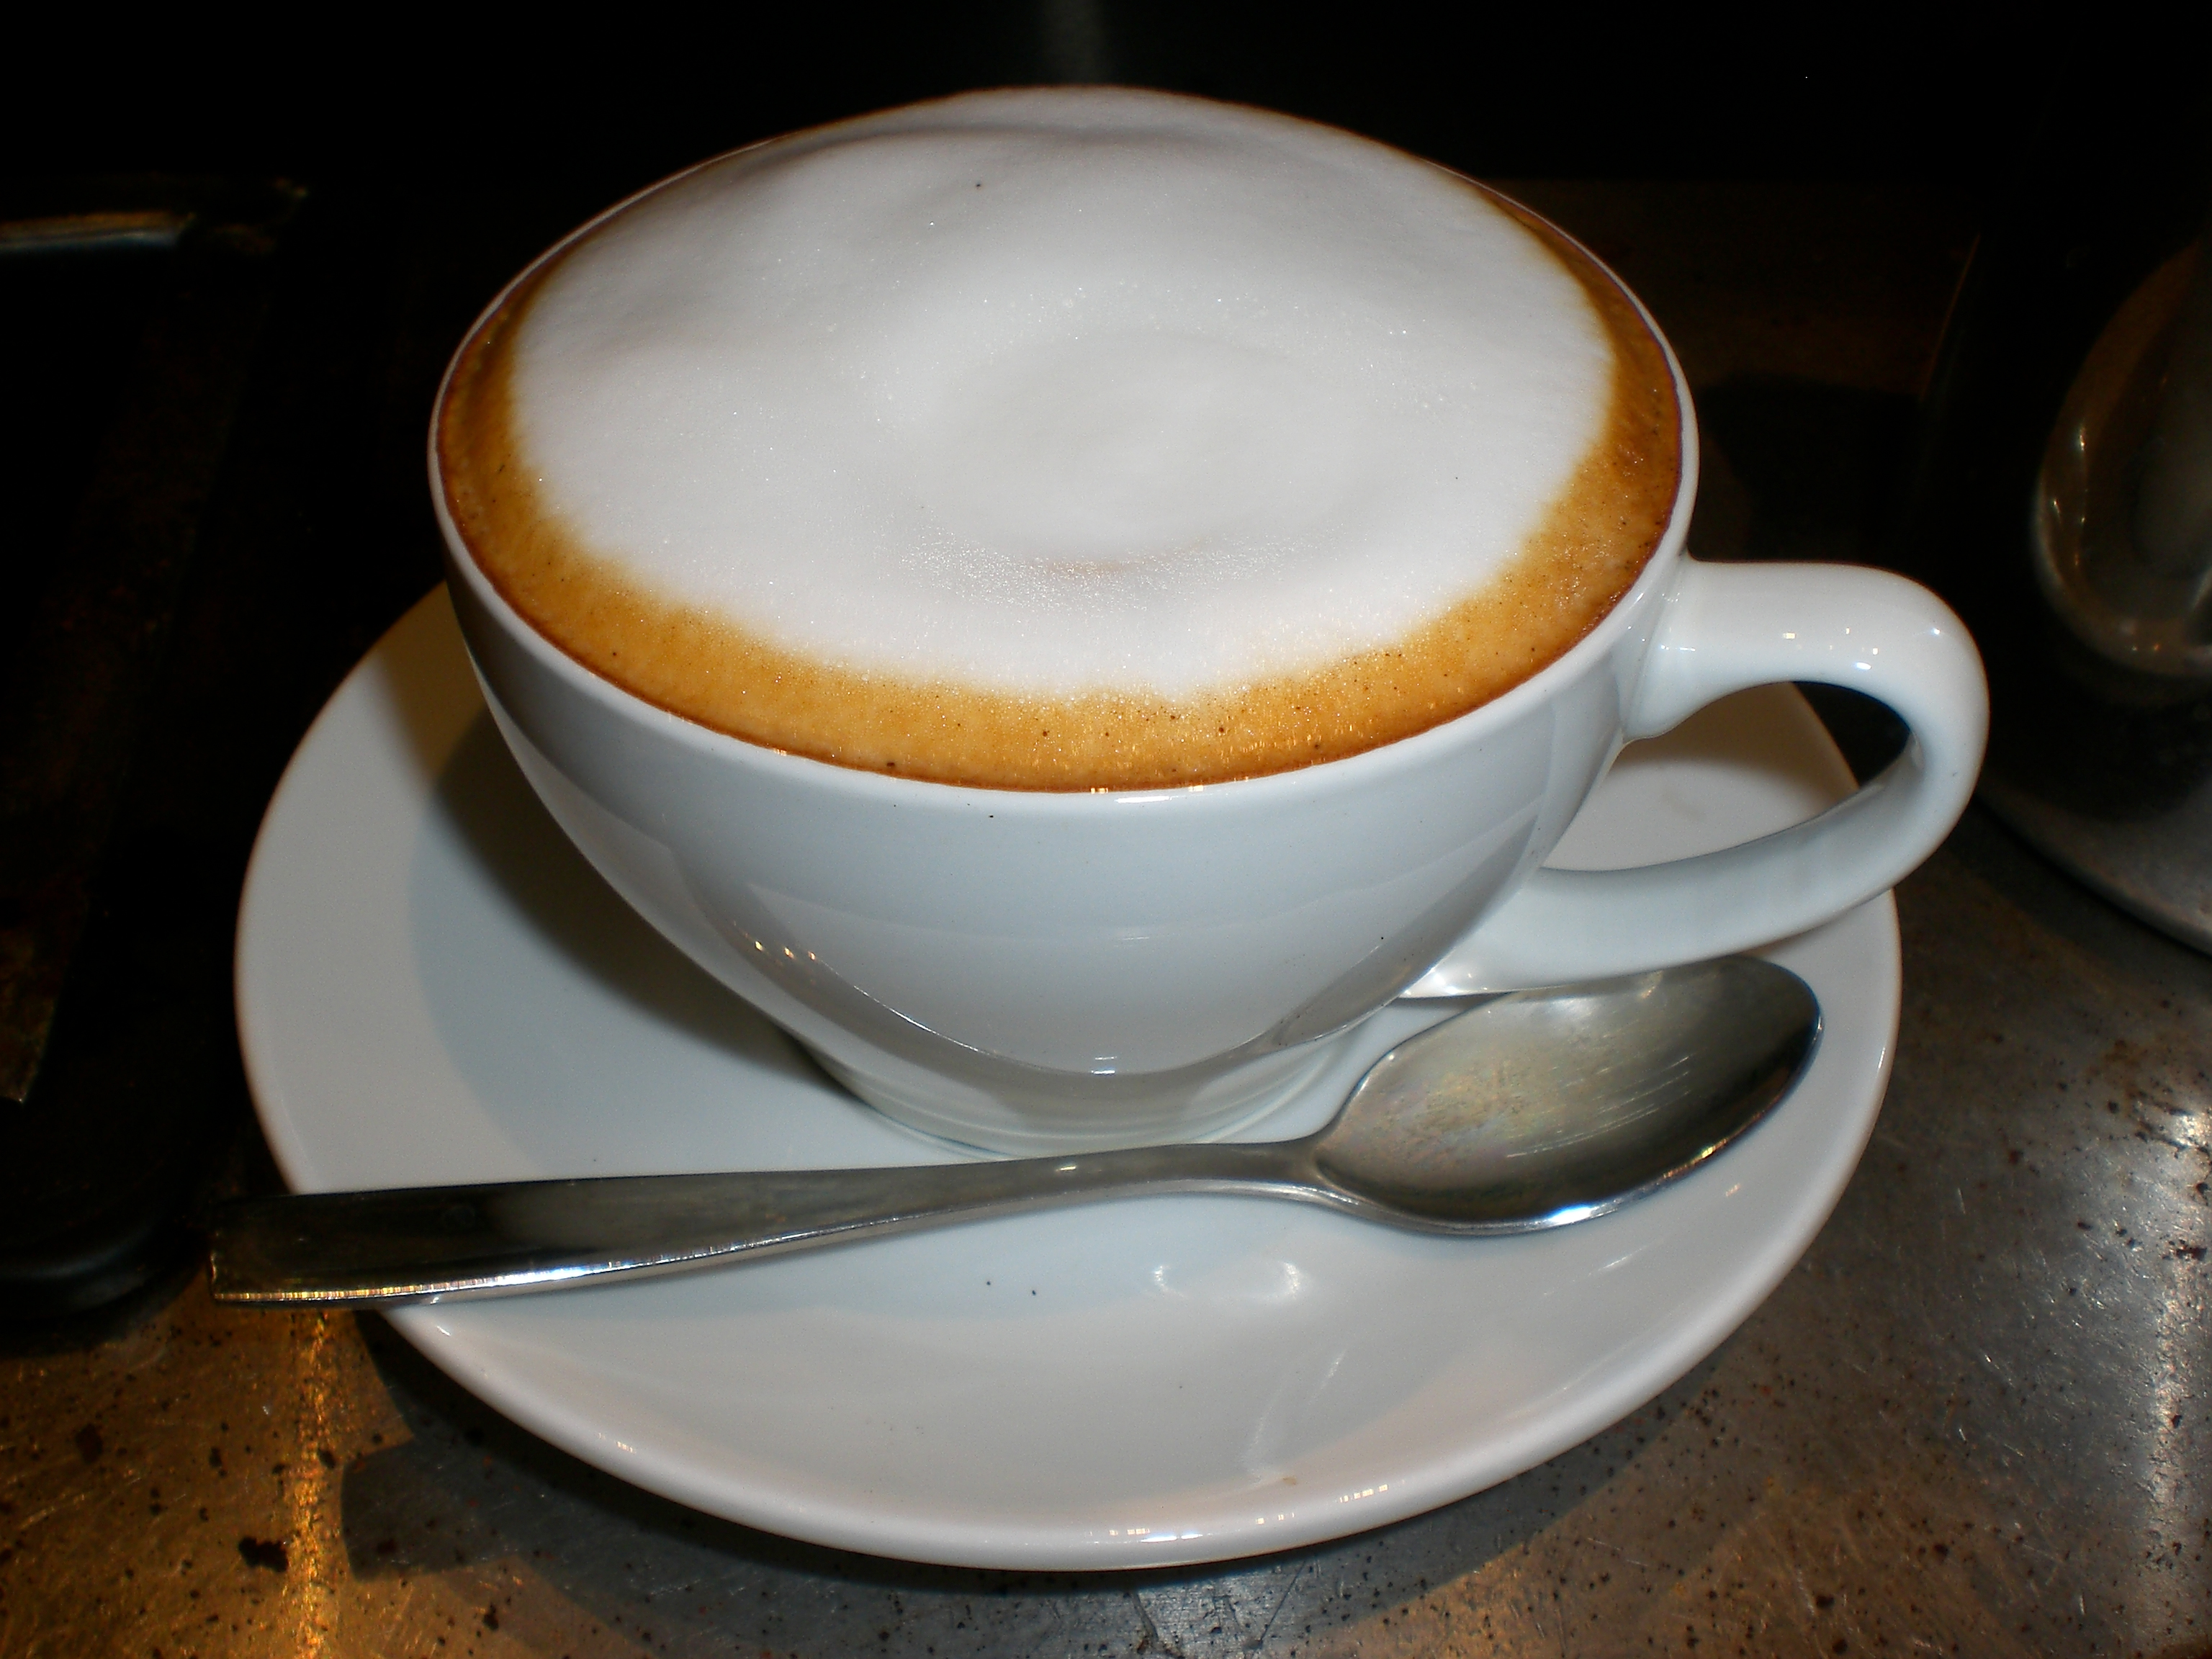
(1530, 1110)
(1547, 1107)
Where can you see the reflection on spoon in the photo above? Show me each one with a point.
(1530, 1111)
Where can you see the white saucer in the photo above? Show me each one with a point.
(432, 987)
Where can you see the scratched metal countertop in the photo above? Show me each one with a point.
(1977, 1418)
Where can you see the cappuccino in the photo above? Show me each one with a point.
(1064, 440)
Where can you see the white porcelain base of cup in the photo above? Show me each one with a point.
(968, 1098)
(1227, 1107)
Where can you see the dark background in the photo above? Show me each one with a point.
(460, 103)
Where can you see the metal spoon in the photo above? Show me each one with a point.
(1532, 1111)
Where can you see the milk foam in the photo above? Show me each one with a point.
(1053, 392)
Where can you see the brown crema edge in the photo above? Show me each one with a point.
(1589, 550)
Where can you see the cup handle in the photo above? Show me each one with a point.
(1728, 627)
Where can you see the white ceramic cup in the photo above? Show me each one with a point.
(1039, 972)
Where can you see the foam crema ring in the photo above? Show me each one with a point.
(1065, 439)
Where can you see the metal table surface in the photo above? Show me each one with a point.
(1977, 1418)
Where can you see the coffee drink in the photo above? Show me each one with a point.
(1067, 439)
(1114, 457)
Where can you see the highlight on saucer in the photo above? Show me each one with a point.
(1067, 438)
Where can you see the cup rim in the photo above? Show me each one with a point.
(1353, 770)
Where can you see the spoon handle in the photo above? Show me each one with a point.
(426, 1243)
